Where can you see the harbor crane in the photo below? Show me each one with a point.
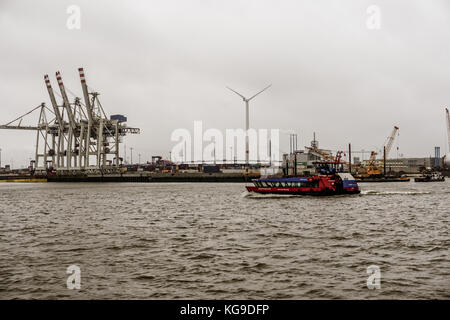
(76, 138)
(372, 167)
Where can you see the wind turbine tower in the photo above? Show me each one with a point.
(247, 100)
(447, 118)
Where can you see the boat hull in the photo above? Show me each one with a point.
(302, 191)
(402, 179)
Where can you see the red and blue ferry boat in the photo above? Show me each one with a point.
(329, 182)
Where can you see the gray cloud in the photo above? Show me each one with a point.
(166, 63)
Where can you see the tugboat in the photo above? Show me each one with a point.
(433, 176)
(328, 182)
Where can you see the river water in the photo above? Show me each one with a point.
(215, 241)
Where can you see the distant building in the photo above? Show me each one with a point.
(437, 156)
(304, 159)
(407, 165)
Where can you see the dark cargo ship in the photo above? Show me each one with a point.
(430, 177)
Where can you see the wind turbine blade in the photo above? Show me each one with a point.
(236, 93)
(260, 92)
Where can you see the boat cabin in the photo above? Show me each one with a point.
(295, 182)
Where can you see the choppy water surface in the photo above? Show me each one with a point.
(212, 241)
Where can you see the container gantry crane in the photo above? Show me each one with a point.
(76, 134)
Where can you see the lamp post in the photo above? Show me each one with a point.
(131, 160)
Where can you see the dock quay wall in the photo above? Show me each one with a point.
(155, 177)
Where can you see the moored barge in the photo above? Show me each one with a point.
(430, 177)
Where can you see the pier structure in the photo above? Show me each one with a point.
(75, 137)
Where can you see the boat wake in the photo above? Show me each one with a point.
(254, 195)
(375, 192)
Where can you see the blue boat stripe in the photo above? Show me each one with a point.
(282, 180)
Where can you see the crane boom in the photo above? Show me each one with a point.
(86, 95)
(52, 99)
(391, 140)
(19, 127)
(66, 100)
(372, 159)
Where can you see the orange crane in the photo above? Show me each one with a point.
(372, 168)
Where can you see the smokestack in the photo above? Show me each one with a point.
(350, 158)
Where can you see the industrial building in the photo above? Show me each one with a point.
(301, 161)
(408, 165)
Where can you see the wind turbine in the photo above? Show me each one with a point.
(247, 100)
(447, 156)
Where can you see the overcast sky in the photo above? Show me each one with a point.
(165, 64)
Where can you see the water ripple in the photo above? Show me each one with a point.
(203, 241)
